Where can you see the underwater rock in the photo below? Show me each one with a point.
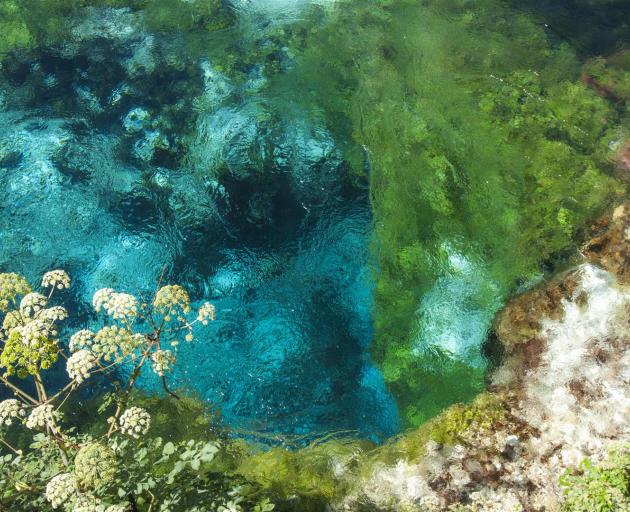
(610, 246)
(521, 319)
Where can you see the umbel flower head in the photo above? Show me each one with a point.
(95, 465)
(61, 488)
(83, 339)
(54, 314)
(11, 286)
(135, 422)
(120, 306)
(11, 411)
(113, 341)
(101, 298)
(87, 503)
(80, 364)
(172, 299)
(29, 348)
(163, 361)
(58, 279)
(42, 416)
(32, 303)
(206, 312)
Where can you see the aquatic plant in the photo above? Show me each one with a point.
(113, 460)
(487, 156)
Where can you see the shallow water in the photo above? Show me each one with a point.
(350, 184)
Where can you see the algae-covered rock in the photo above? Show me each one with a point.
(522, 318)
(610, 246)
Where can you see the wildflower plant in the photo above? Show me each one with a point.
(118, 466)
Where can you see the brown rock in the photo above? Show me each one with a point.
(610, 246)
(521, 320)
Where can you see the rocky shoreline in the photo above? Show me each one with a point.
(560, 396)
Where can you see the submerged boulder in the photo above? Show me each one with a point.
(610, 246)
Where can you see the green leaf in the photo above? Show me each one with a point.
(169, 448)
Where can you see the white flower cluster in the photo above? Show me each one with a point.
(101, 298)
(32, 303)
(107, 343)
(83, 339)
(87, 503)
(60, 488)
(11, 285)
(119, 306)
(171, 297)
(117, 508)
(80, 364)
(135, 422)
(95, 465)
(54, 314)
(36, 333)
(112, 340)
(11, 320)
(10, 410)
(163, 361)
(206, 312)
(56, 279)
(42, 416)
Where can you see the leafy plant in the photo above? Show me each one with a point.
(601, 487)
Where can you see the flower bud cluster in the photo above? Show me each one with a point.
(11, 285)
(171, 298)
(61, 488)
(42, 416)
(113, 341)
(80, 364)
(101, 298)
(35, 333)
(206, 312)
(11, 320)
(32, 303)
(29, 348)
(95, 465)
(163, 361)
(10, 410)
(83, 339)
(135, 422)
(56, 279)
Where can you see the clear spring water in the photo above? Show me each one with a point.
(128, 152)
(280, 245)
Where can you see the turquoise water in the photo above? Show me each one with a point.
(278, 242)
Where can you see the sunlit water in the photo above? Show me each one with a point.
(279, 244)
(129, 153)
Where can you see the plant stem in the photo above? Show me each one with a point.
(14, 450)
(18, 391)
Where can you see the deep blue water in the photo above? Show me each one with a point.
(261, 218)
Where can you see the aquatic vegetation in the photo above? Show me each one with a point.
(29, 23)
(487, 156)
(351, 182)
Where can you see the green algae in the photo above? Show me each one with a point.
(483, 146)
(39, 23)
